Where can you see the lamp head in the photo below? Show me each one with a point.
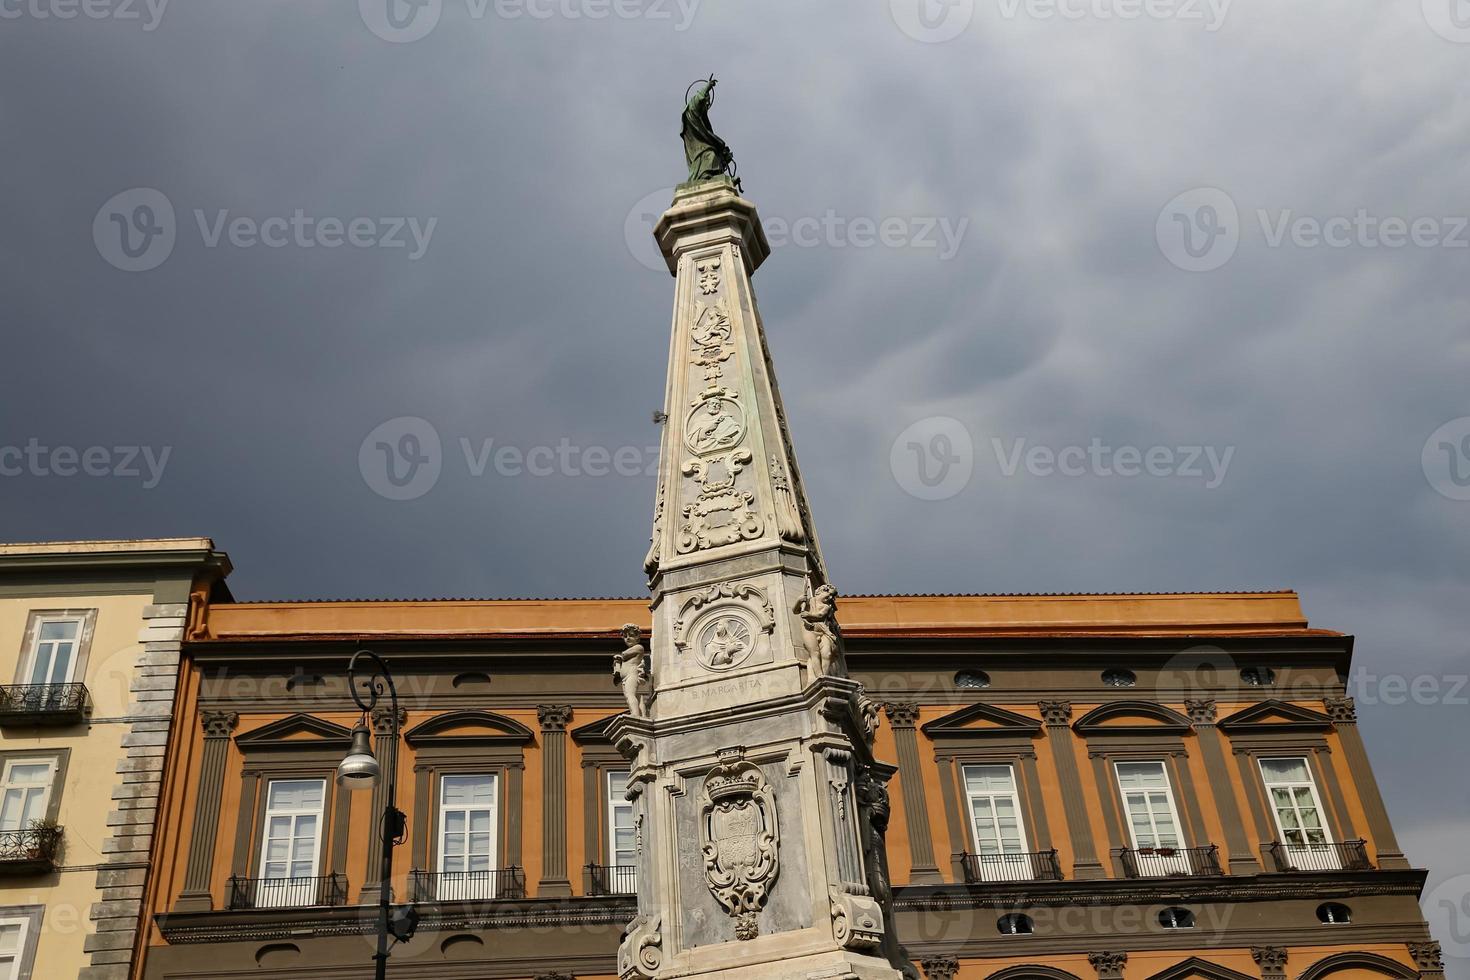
(360, 770)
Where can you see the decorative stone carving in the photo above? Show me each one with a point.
(875, 809)
(857, 922)
(218, 724)
(631, 672)
(655, 547)
(1341, 710)
(1429, 957)
(940, 967)
(554, 717)
(1056, 713)
(739, 838)
(868, 717)
(382, 720)
(1109, 965)
(709, 275)
(788, 516)
(725, 623)
(902, 714)
(1202, 711)
(554, 976)
(715, 424)
(641, 952)
(818, 614)
(720, 514)
(1271, 960)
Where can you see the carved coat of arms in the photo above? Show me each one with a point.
(739, 840)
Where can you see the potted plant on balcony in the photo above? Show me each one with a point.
(42, 839)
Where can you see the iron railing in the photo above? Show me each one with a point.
(44, 704)
(612, 879)
(1033, 866)
(287, 893)
(467, 886)
(1348, 856)
(27, 851)
(1165, 862)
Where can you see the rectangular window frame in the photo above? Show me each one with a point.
(290, 895)
(29, 918)
(1307, 857)
(59, 758)
(466, 886)
(996, 866)
(30, 642)
(1153, 865)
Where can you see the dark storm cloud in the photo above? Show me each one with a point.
(528, 320)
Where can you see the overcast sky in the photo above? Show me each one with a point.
(1018, 245)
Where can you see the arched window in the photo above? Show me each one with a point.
(1015, 924)
(1258, 676)
(1118, 677)
(972, 679)
(1176, 918)
(1334, 913)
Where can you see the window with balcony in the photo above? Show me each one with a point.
(1153, 821)
(995, 825)
(620, 875)
(47, 688)
(467, 844)
(29, 836)
(1306, 843)
(291, 849)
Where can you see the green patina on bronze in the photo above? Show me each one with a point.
(707, 155)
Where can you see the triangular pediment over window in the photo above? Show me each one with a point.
(595, 732)
(1275, 716)
(981, 721)
(1132, 718)
(1196, 967)
(296, 731)
(469, 729)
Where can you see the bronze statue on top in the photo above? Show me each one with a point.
(707, 155)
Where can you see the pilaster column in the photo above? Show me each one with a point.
(1203, 714)
(903, 717)
(1271, 960)
(554, 719)
(1429, 958)
(217, 728)
(1344, 715)
(1058, 718)
(1109, 965)
(385, 747)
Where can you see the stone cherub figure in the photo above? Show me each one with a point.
(631, 672)
(707, 155)
(818, 613)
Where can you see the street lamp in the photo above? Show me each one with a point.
(361, 770)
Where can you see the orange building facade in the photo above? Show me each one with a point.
(1147, 787)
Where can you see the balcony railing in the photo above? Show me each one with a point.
(1165, 862)
(44, 704)
(612, 879)
(1033, 866)
(29, 851)
(1348, 856)
(287, 893)
(467, 886)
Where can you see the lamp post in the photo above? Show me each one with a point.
(361, 770)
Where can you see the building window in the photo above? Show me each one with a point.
(52, 658)
(972, 679)
(1258, 676)
(1119, 678)
(467, 852)
(1015, 925)
(291, 852)
(621, 874)
(25, 792)
(995, 824)
(1298, 811)
(1176, 918)
(1334, 913)
(12, 946)
(1153, 820)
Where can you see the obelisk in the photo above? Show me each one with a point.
(759, 810)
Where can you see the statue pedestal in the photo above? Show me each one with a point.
(758, 807)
